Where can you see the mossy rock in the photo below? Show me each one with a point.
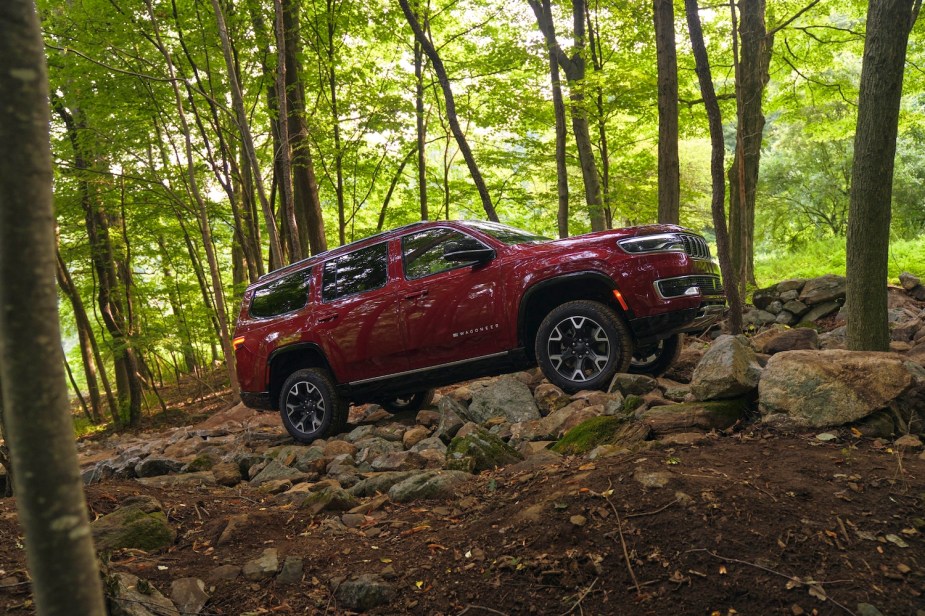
(603, 430)
(329, 499)
(632, 402)
(140, 524)
(478, 452)
(203, 462)
(710, 415)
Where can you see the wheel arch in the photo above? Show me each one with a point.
(286, 360)
(541, 298)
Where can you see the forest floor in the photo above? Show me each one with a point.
(752, 522)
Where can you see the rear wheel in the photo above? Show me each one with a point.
(582, 344)
(410, 402)
(310, 407)
(655, 359)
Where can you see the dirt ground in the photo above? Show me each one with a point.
(751, 523)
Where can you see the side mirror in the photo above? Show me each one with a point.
(467, 250)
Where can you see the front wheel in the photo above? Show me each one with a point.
(582, 344)
(655, 359)
(310, 407)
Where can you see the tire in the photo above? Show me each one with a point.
(655, 359)
(581, 345)
(310, 407)
(410, 403)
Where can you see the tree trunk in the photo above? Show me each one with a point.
(574, 67)
(717, 203)
(888, 26)
(421, 127)
(558, 105)
(444, 80)
(669, 171)
(304, 181)
(597, 61)
(284, 153)
(51, 505)
(217, 291)
(751, 78)
(237, 100)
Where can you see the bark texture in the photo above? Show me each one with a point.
(51, 505)
(669, 168)
(888, 25)
(717, 203)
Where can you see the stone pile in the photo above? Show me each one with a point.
(798, 300)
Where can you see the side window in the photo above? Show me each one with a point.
(280, 296)
(362, 270)
(422, 252)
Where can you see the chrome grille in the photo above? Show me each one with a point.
(675, 287)
(695, 246)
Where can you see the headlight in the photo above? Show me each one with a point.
(664, 242)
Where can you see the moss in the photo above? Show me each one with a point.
(132, 527)
(587, 435)
(479, 451)
(201, 463)
(632, 402)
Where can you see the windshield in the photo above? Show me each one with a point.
(503, 233)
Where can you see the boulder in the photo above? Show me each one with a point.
(414, 435)
(728, 369)
(186, 480)
(762, 298)
(328, 498)
(714, 415)
(140, 524)
(627, 384)
(364, 592)
(155, 466)
(506, 397)
(428, 485)
(791, 284)
(822, 389)
(550, 398)
(450, 418)
(823, 289)
(399, 461)
(275, 471)
(131, 596)
(189, 595)
(909, 281)
(603, 430)
(478, 452)
(835, 339)
(379, 482)
(818, 311)
(801, 338)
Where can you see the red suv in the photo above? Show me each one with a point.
(390, 317)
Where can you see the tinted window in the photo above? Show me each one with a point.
(423, 252)
(359, 271)
(284, 295)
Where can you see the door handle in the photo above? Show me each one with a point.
(327, 317)
(416, 295)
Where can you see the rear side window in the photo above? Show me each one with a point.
(362, 270)
(423, 252)
(280, 296)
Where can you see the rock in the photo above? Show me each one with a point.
(391, 432)
(673, 391)
(603, 430)
(432, 443)
(364, 592)
(232, 527)
(652, 479)
(785, 317)
(759, 317)
(683, 369)
(227, 474)
(413, 436)
(762, 298)
(131, 596)
(370, 449)
(291, 572)
(140, 523)
(550, 398)
(866, 609)
(835, 339)
(728, 369)
(822, 389)
(791, 284)
(627, 384)
(203, 462)
(821, 310)
(450, 418)
(901, 333)
(427, 418)
(910, 441)
(189, 595)
(332, 449)
(186, 480)
(223, 573)
(263, 567)
(328, 498)
(801, 338)
(275, 471)
(823, 289)
(155, 467)
(428, 485)
(478, 452)
(379, 482)
(877, 425)
(908, 281)
(714, 415)
(918, 293)
(682, 438)
(505, 397)
(399, 461)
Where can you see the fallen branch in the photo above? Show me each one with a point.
(580, 598)
(480, 607)
(626, 555)
(645, 513)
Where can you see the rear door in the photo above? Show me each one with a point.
(357, 321)
(451, 311)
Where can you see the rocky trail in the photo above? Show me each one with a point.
(769, 474)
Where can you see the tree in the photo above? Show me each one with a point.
(50, 501)
(717, 202)
(888, 26)
(669, 169)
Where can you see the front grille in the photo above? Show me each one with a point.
(675, 287)
(695, 246)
